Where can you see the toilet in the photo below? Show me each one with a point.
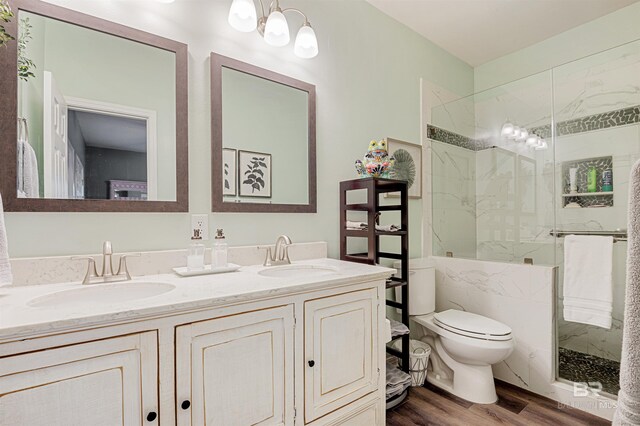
(465, 345)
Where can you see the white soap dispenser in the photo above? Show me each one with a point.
(219, 253)
(195, 257)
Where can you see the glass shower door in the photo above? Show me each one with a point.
(596, 104)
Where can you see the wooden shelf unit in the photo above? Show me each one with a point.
(375, 187)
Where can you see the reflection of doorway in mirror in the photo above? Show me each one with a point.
(229, 174)
(254, 174)
(120, 143)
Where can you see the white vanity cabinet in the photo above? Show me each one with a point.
(236, 370)
(107, 382)
(308, 355)
(341, 351)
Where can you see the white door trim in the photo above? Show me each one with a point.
(89, 105)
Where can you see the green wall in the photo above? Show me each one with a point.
(268, 117)
(367, 78)
(614, 29)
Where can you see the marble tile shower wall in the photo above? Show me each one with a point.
(454, 200)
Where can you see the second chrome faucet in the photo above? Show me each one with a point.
(280, 254)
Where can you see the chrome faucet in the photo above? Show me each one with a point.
(107, 275)
(280, 254)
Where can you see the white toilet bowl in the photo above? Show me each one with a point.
(467, 344)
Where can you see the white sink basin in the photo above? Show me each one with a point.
(291, 271)
(101, 294)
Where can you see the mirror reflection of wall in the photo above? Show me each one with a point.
(98, 114)
(266, 123)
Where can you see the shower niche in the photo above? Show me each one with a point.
(579, 195)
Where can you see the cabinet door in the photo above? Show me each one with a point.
(236, 370)
(107, 382)
(340, 351)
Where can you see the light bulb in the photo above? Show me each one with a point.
(516, 133)
(507, 130)
(532, 140)
(276, 32)
(242, 15)
(524, 134)
(542, 145)
(306, 45)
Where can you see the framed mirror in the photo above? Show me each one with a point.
(263, 140)
(95, 117)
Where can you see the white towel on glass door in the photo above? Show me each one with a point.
(588, 284)
(5, 266)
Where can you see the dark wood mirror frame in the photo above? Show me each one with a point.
(218, 62)
(8, 117)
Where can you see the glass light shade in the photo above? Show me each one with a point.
(542, 145)
(306, 45)
(524, 134)
(516, 132)
(242, 15)
(507, 129)
(276, 32)
(532, 140)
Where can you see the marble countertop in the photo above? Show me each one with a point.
(19, 320)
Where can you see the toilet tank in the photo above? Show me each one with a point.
(422, 286)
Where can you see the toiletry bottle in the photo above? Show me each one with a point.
(607, 181)
(195, 256)
(219, 254)
(592, 182)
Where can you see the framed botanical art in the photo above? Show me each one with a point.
(229, 174)
(407, 165)
(254, 174)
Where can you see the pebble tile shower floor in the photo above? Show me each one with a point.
(579, 367)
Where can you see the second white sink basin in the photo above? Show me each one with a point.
(102, 294)
(291, 271)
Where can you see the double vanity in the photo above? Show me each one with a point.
(289, 345)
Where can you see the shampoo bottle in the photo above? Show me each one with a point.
(219, 254)
(592, 182)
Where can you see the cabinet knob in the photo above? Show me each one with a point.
(185, 404)
(312, 363)
(151, 416)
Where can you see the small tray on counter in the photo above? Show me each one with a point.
(208, 270)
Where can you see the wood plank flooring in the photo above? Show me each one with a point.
(430, 405)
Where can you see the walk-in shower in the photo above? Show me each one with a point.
(498, 198)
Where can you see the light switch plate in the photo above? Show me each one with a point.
(200, 222)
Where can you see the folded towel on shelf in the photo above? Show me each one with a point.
(362, 226)
(588, 283)
(628, 409)
(398, 328)
(397, 381)
(5, 266)
(356, 225)
(28, 181)
(388, 228)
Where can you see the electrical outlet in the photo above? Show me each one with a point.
(200, 223)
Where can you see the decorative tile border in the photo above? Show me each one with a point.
(451, 138)
(620, 117)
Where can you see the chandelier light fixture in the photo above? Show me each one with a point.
(273, 26)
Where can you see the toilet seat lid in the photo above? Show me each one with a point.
(472, 325)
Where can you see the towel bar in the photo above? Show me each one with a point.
(618, 235)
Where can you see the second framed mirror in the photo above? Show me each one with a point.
(263, 140)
